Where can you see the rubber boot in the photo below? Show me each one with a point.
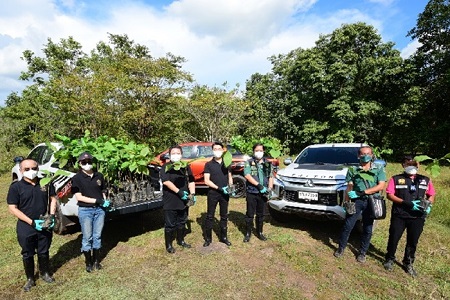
(223, 236)
(168, 236)
(248, 232)
(88, 260)
(28, 265)
(180, 238)
(208, 237)
(44, 268)
(259, 230)
(96, 258)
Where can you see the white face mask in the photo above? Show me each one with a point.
(259, 154)
(31, 174)
(86, 167)
(218, 153)
(175, 157)
(411, 170)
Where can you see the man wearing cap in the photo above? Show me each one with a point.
(27, 200)
(88, 187)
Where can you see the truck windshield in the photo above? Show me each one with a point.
(329, 155)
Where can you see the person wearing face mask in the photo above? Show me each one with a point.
(89, 188)
(178, 186)
(406, 190)
(259, 174)
(218, 179)
(358, 189)
(27, 200)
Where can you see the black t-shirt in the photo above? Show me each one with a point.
(92, 187)
(179, 178)
(30, 199)
(218, 173)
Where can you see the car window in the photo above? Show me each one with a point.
(329, 155)
(46, 155)
(189, 151)
(36, 154)
(205, 151)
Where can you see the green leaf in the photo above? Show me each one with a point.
(45, 181)
(227, 158)
(421, 158)
(275, 153)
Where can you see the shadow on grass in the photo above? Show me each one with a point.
(328, 232)
(115, 231)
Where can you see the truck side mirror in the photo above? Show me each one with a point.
(287, 161)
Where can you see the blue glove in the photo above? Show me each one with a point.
(106, 203)
(37, 224)
(262, 189)
(194, 199)
(416, 205)
(184, 195)
(224, 190)
(428, 210)
(52, 224)
(353, 195)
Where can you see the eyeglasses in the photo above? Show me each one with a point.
(86, 162)
(33, 168)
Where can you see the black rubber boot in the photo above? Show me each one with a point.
(168, 236)
(44, 268)
(28, 265)
(259, 230)
(208, 237)
(96, 258)
(180, 238)
(248, 232)
(223, 236)
(88, 260)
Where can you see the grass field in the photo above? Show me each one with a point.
(295, 263)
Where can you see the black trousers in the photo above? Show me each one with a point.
(174, 219)
(414, 228)
(32, 241)
(212, 201)
(255, 205)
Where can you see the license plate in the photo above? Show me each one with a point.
(308, 196)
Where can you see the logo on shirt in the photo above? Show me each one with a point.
(99, 182)
(401, 181)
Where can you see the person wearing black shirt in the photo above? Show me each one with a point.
(178, 186)
(27, 200)
(89, 188)
(218, 179)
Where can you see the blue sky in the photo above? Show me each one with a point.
(222, 40)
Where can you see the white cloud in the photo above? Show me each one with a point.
(410, 49)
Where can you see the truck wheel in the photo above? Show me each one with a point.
(59, 226)
(240, 186)
(279, 216)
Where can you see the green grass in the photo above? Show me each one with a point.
(295, 263)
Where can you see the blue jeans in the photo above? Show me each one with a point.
(362, 208)
(91, 221)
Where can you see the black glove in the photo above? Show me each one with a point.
(360, 194)
(262, 189)
(184, 195)
(408, 204)
(99, 202)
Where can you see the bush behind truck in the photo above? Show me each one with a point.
(124, 165)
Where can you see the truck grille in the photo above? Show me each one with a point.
(324, 199)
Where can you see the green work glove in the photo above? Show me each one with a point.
(52, 224)
(416, 205)
(106, 203)
(37, 224)
(224, 190)
(184, 195)
(262, 189)
(352, 195)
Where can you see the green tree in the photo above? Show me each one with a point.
(350, 87)
(432, 59)
(213, 113)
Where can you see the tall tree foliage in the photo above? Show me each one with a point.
(350, 87)
(432, 58)
(119, 89)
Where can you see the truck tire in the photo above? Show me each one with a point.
(59, 225)
(240, 186)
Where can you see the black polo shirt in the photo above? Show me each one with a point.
(218, 173)
(88, 186)
(30, 199)
(179, 178)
